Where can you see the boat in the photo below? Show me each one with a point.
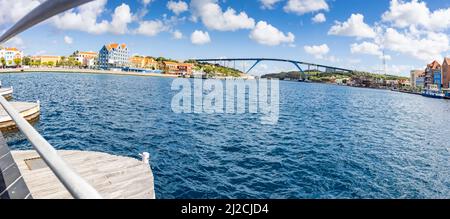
(433, 94)
(30, 111)
(7, 92)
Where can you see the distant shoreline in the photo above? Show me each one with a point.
(83, 71)
(86, 71)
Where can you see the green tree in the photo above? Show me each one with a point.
(17, 61)
(26, 60)
(3, 61)
(50, 64)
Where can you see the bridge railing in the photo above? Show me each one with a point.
(76, 185)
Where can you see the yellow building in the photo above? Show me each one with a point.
(46, 59)
(143, 62)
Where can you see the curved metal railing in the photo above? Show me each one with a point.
(76, 185)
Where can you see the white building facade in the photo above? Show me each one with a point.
(113, 56)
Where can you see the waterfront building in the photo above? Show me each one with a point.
(45, 60)
(433, 74)
(185, 68)
(11, 56)
(86, 59)
(414, 75)
(420, 81)
(113, 55)
(170, 67)
(175, 68)
(446, 73)
(143, 62)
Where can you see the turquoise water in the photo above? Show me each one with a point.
(330, 141)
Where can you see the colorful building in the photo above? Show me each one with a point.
(446, 73)
(46, 60)
(143, 62)
(86, 59)
(175, 68)
(415, 74)
(433, 74)
(185, 68)
(113, 55)
(170, 67)
(11, 55)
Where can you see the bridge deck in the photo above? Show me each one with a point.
(114, 177)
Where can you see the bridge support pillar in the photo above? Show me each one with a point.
(257, 61)
(304, 76)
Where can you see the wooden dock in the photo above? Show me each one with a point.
(114, 177)
(30, 111)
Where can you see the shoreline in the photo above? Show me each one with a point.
(82, 71)
(90, 71)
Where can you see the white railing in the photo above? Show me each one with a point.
(76, 185)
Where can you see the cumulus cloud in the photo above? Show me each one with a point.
(416, 13)
(268, 4)
(11, 12)
(199, 37)
(267, 34)
(150, 28)
(318, 51)
(426, 47)
(177, 35)
(305, 6)
(367, 48)
(214, 18)
(177, 7)
(68, 40)
(85, 18)
(319, 18)
(354, 27)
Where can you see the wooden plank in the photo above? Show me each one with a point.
(112, 176)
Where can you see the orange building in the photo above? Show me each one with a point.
(170, 68)
(446, 73)
(175, 68)
(185, 68)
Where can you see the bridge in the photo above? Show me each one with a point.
(310, 66)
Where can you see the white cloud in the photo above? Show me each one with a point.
(268, 4)
(120, 19)
(319, 18)
(305, 6)
(267, 34)
(146, 2)
(85, 18)
(199, 37)
(214, 18)
(367, 48)
(425, 47)
(177, 7)
(177, 35)
(150, 28)
(354, 27)
(416, 13)
(12, 11)
(68, 40)
(16, 42)
(318, 51)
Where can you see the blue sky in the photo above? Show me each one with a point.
(353, 34)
